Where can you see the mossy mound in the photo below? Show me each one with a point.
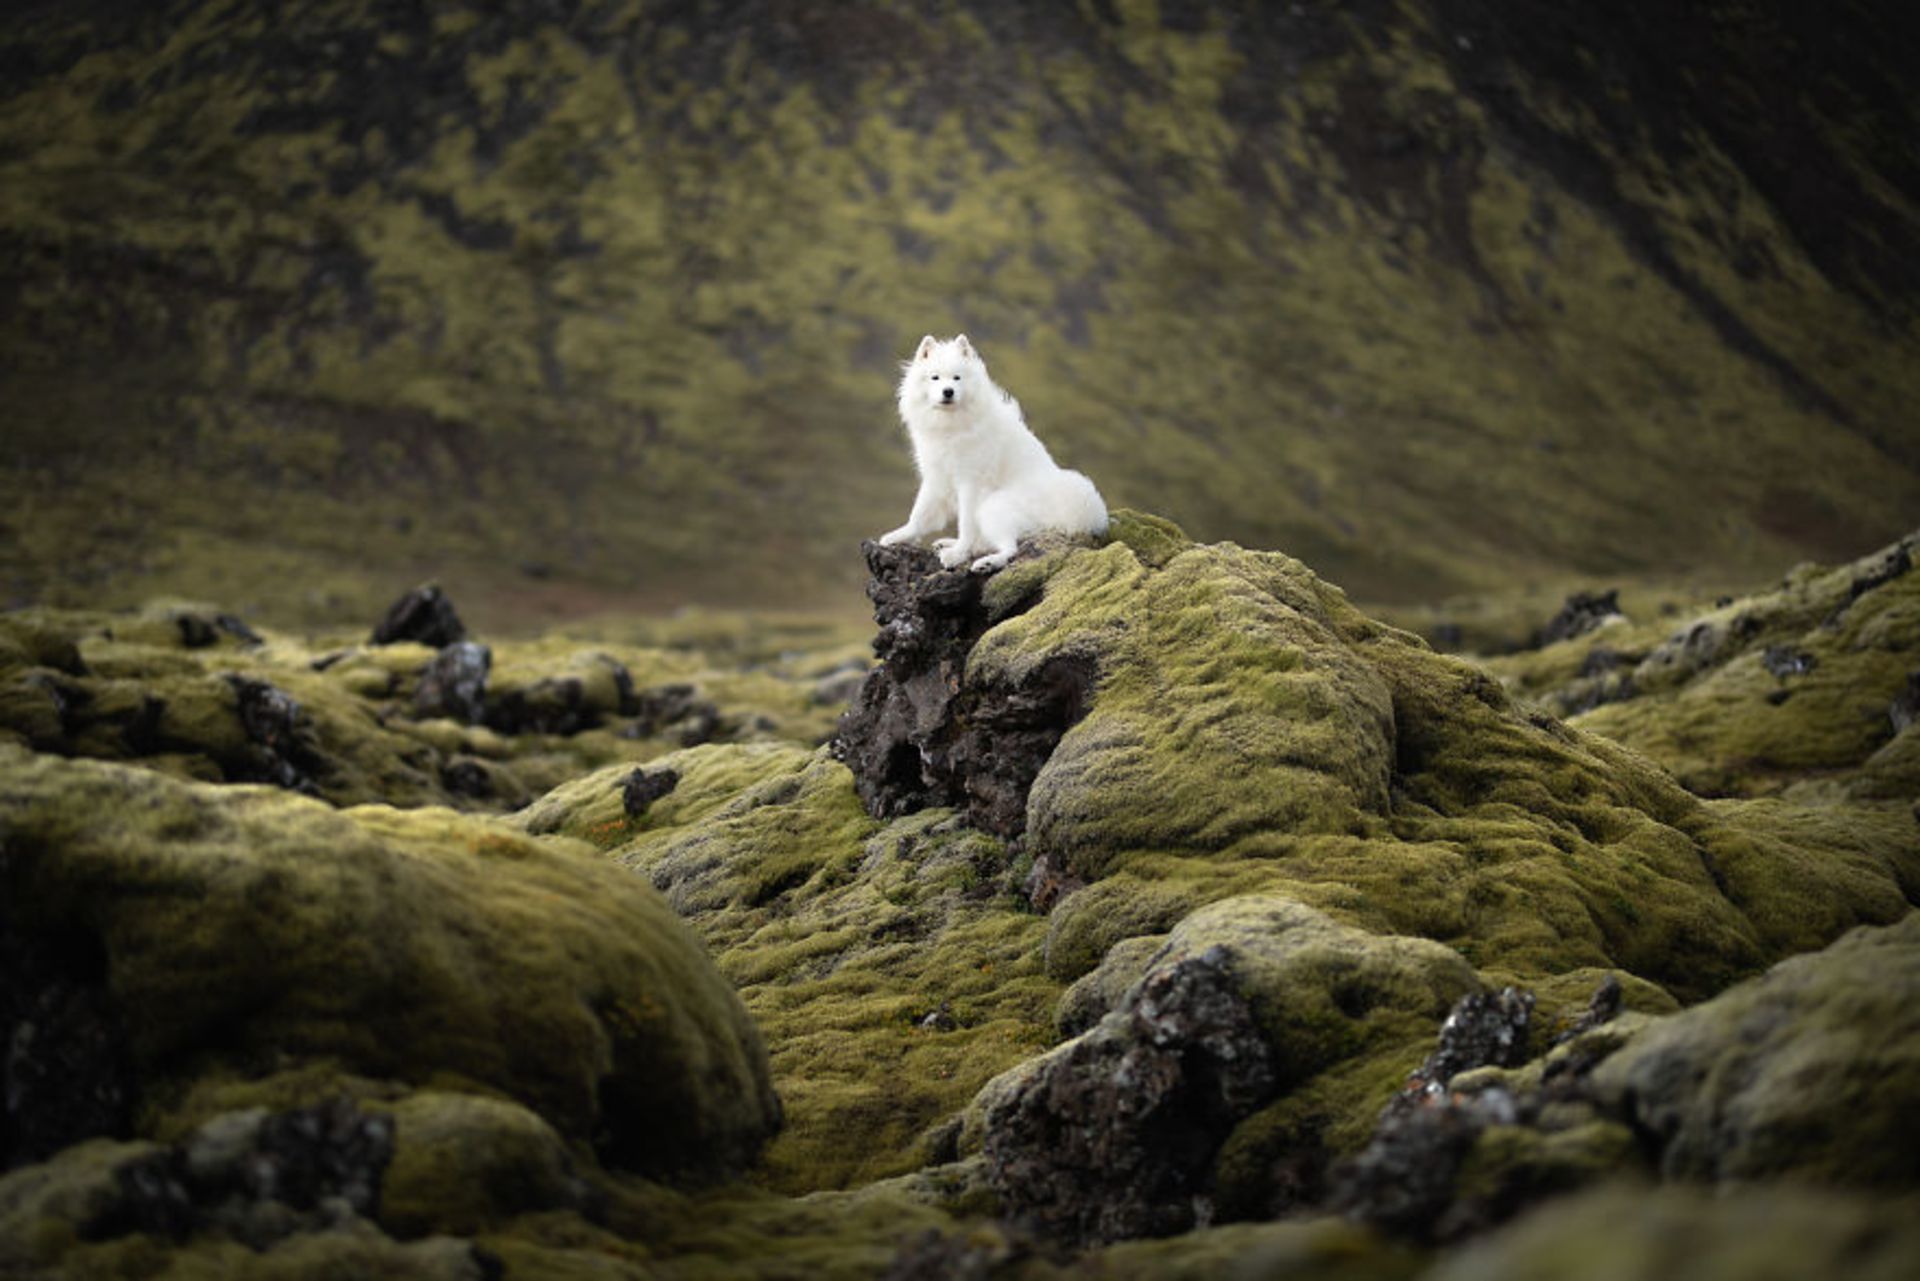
(196, 693)
(1811, 1070)
(1797, 687)
(1755, 1234)
(1113, 1133)
(1249, 730)
(892, 966)
(240, 930)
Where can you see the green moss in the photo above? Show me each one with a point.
(462, 1164)
(44, 1206)
(1508, 1163)
(844, 935)
(1637, 1234)
(403, 945)
(1251, 731)
(562, 328)
(1313, 1250)
(1706, 704)
(1805, 1071)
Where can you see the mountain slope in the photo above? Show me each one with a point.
(1427, 294)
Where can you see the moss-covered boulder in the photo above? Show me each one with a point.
(1634, 1234)
(1247, 729)
(1811, 1070)
(236, 930)
(1793, 688)
(1114, 1133)
(193, 692)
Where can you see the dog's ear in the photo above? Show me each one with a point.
(966, 348)
(926, 348)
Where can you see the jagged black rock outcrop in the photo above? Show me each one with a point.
(65, 1071)
(918, 733)
(1582, 612)
(424, 615)
(455, 683)
(1114, 1137)
(257, 1175)
(1408, 1179)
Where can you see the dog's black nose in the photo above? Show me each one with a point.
(946, 393)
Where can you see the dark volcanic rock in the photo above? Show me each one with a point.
(455, 683)
(1113, 1136)
(424, 615)
(1486, 1029)
(65, 1072)
(677, 707)
(557, 705)
(645, 786)
(1582, 612)
(198, 631)
(282, 747)
(918, 734)
(1787, 660)
(255, 1175)
(1602, 1008)
(597, 687)
(1429, 1172)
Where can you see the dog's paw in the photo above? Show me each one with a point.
(893, 536)
(987, 564)
(953, 553)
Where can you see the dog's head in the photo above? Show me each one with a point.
(942, 376)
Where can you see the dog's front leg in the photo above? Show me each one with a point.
(960, 549)
(932, 508)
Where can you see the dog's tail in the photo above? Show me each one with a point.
(1078, 506)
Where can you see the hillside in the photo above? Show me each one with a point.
(597, 303)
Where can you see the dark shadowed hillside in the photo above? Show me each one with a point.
(597, 299)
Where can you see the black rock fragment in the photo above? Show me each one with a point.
(1582, 612)
(676, 708)
(645, 786)
(465, 776)
(1484, 1029)
(66, 1071)
(454, 683)
(281, 748)
(1904, 710)
(1407, 1180)
(1114, 1136)
(1784, 661)
(197, 631)
(255, 1175)
(1602, 1008)
(423, 614)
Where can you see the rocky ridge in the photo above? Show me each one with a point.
(1152, 912)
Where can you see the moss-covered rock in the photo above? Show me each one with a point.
(243, 927)
(1811, 1070)
(174, 689)
(1250, 730)
(1113, 1134)
(1634, 1234)
(1793, 686)
(463, 1164)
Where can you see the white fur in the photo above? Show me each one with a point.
(980, 467)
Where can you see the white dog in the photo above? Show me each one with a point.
(979, 465)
